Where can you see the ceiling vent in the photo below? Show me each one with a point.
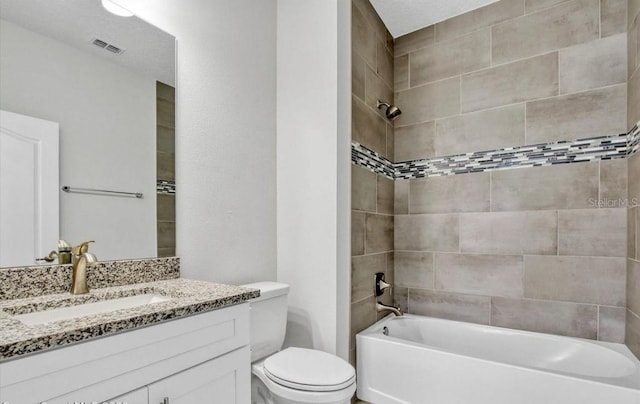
(107, 46)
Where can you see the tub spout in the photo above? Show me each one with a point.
(381, 307)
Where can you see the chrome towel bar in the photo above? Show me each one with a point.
(67, 188)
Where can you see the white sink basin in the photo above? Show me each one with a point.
(87, 309)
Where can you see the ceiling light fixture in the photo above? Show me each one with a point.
(113, 8)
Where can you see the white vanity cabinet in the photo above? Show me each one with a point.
(203, 358)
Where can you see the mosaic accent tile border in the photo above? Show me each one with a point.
(564, 152)
(166, 187)
(365, 157)
(633, 139)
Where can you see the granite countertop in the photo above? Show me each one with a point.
(187, 297)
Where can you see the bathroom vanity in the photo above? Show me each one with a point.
(161, 341)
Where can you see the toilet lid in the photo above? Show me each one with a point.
(309, 370)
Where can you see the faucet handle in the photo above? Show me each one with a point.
(380, 284)
(63, 246)
(82, 247)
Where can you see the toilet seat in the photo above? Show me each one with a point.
(309, 370)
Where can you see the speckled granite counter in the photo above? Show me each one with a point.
(186, 297)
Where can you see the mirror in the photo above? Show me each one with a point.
(106, 85)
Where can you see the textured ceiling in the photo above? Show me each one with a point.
(148, 50)
(404, 16)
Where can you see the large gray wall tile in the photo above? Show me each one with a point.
(613, 17)
(372, 17)
(485, 130)
(577, 116)
(401, 73)
(636, 233)
(631, 232)
(451, 193)
(531, 6)
(567, 186)
(633, 10)
(390, 141)
(511, 83)
(401, 200)
(166, 205)
(567, 24)
(634, 174)
(633, 99)
(593, 64)
(611, 322)
(367, 127)
(363, 189)
(379, 233)
(357, 233)
(385, 195)
(385, 65)
(613, 183)
(358, 66)
(363, 37)
(633, 286)
(401, 298)
(166, 166)
(438, 232)
(447, 59)
(363, 270)
(363, 314)
(428, 102)
(509, 232)
(375, 89)
(593, 232)
(414, 269)
(632, 334)
(166, 234)
(479, 18)
(576, 279)
(632, 49)
(452, 306)
(414, 41)
(415, 142)
(570, 319)
(489, 275)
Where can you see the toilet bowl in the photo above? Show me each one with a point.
(293, 375)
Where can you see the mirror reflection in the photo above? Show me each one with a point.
(87, 102)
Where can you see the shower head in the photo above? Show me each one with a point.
(392, 111)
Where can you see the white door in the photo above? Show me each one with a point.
(29, 196)
(224, 380)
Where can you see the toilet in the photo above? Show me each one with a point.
(293, 375)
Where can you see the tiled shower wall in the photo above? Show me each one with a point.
(165, 168)
(371, 194)
(633, 248)
(540, 248)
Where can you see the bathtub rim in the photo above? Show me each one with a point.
(630, 382)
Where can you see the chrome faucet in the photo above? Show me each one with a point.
(381, 307)
(81, 258)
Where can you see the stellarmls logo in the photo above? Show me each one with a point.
(614, 203)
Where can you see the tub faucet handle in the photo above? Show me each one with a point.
(380, 284)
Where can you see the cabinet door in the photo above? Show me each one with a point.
(226, 379)
(140, 396)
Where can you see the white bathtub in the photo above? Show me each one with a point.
(426, 360)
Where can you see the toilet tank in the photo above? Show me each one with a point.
(268, 318)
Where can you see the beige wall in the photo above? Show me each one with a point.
(527, 248)
(371, 194)
(633, 246)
